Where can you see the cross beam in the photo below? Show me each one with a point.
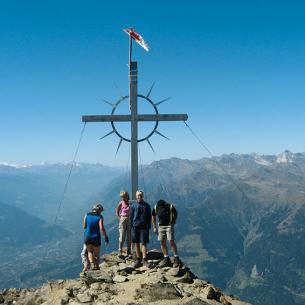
(139, 117)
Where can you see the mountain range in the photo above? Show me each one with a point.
(241, 221)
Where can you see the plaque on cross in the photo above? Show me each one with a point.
(134, 117)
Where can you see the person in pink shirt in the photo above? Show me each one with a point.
(122, 212)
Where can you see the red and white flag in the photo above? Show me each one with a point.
(138, 38)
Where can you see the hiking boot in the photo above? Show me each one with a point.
(176, 262)
(145, 262)
(166, 262)
(137, 263)
(96, 268)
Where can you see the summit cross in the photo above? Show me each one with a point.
(134, 117)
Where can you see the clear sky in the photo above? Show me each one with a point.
(236, 67)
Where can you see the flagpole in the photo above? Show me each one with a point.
(130, 49)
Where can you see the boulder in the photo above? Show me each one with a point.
(224, 301)
(157, 291)
(154, 255)
(212, 293)
(104, 298)
(64, 300)
(188, 278)
(200, 283)
(120, 279)
(113, 258)
(126, 270)
(177, 272)
(96, 276)
(84, 297)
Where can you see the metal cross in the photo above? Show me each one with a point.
(134, 118)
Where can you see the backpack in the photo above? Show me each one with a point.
(172, 217)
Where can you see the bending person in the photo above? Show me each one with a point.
(94, 225)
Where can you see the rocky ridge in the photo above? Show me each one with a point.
(117, 283)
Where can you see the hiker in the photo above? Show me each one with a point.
(94, 225)
(122, 212)
(140, 217)
(167, 216)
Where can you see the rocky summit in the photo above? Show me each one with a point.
(117, 282)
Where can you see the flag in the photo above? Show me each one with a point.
(138, 38)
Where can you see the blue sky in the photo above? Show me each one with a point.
(236, 67)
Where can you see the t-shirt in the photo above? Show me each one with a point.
(92, 225)
(124, 211)
(164, 211)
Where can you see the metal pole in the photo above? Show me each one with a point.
(130, 50)
(133, 100)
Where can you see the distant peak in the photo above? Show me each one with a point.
(285, 157)
(260, 159)
(15, 165)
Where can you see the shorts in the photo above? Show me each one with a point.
(93, 241)
(140, 235)
(166, 232)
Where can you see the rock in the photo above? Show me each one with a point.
(33, 300)
(96, 286)
(96, 276)
(113, 258)
(84, 297)
(69, 292)
(194, 301)
(105, 297)
(143, 268)
(212, 293)
(1, 299)
(120, 279)
(154, 255)
(114, 269)
(209, 292)
(73, 289)
(157, 291)
(224, 301)
(177, 272)
(200, 283)
(128, 270)
(188, 278)
(165, 268)
(102, 288)
(155, 278)
(64, 300)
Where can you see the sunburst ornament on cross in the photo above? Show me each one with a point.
(134, 117)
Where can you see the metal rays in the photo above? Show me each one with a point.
(146, 98)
